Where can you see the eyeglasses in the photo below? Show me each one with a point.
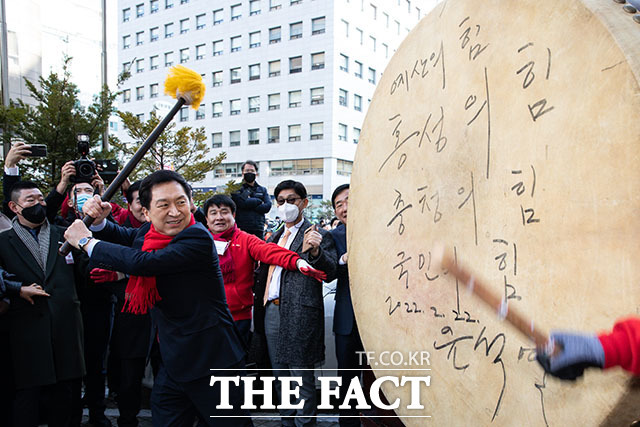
(291, 200)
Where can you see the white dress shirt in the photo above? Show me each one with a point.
(274, 287)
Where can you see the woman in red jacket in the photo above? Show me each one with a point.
(238, 251)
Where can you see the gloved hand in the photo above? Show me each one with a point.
(100, 275)
(575, 353)
(307, 270)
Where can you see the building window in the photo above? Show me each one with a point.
(126, 14)
(154, 6)
(154, 34)
(296, 167)
(295, 98)
(234, 138)
(139, 38)
(217, 47)
(295, 30)
(217, 16)
(316, 130)
(373, 43)
(295, 64)
(372, 76)
(317, 95)
(254, 136)
(217, 78)
(254, 7)
(184, 26)
(344, 63)
(153, 90)
(273, 135)
(274, 68)
(342, 97)
(294, 2)
(216, 107)
(168, 4)
(254, 72)
(360, 35)
(200, 51)
(397, 27)
(386, 19)
(254, 39)
(274, 101)
(234, 106)
(236, 43)
(153, 62)
(342, 132)
(235, 75)
(356, 135)
(184, 55)
(254, 104)
(275, 4)
(200, 112)
(184, 114)
(318, 26)
(140, 10)
(317, 61)
(229, 170)
(344, 167)
(140, 117)
(168, 30)
(386, 50)
(184, 1)
(374, 11)
(345, 27)
(294, 133)
(126, 66)
(216, 140)
(236, 12)
(358, 71)
(126, 95)
(357, 102)
(139, 65)
(168, 59)
(274, 35)
(126, 42)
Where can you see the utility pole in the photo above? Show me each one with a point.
(105, 135)
(4, 73)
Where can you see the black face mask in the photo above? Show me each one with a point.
(35, 214)
(249, 177)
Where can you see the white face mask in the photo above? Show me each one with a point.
(289, 212)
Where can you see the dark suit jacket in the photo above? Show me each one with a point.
(301, 335)
(196, 330)
(46, 338)
(343, 316)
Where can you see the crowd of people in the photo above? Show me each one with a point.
(187, 289)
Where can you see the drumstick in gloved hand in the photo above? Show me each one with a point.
(497, 302)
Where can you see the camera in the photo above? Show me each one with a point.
(85, 168)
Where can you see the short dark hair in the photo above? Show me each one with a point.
(249, 162)
(337, 191)
(219, 200)
(334, 219)
(290, 184)
(160, 177)
(132, 189)
(17, 188)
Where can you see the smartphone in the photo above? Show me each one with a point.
(38, 150)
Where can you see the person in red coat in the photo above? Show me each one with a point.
(238, 251)
(620, 347)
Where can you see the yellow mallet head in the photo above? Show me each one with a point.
(186, 84)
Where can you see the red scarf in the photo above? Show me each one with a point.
(226, 262)
(132, 219)
(141, 293)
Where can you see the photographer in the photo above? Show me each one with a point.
(18, 152)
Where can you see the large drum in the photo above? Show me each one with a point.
(508, 131)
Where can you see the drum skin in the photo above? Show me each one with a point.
(508, 132)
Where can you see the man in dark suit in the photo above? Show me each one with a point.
(252, 201)
(290, 305)
(348, 342)
(46, 335)
(175, 274)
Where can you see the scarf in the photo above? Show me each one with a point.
(141, 293)
(133, 221)
(39, 249)
(226, 261)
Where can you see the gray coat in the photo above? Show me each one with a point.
(301, 336)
